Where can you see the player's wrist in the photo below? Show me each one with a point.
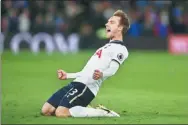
(68, 75)
(71, 75)
(101, 74)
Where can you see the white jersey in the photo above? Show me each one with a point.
(100, 60)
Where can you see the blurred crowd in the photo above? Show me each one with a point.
(148, 17)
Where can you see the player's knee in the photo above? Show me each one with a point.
(47, 109)
(62, 112)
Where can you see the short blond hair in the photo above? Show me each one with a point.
(124, 20)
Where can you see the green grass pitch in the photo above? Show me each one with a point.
(151, 87)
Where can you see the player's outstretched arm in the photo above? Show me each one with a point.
(62, 75)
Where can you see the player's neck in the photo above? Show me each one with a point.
(118, 38)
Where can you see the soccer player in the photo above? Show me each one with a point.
(73, 99)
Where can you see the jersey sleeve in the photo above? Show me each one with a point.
(119, 55)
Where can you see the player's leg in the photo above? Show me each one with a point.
(79, 95)
(52, 103)
(75, 102)
(79, 111)
(47, 109)
(62, 111)
(82, 110)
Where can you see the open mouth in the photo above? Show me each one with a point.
(108, 30)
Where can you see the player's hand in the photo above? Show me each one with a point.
(97, 75)
(62, 75)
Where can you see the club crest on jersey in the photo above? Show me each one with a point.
(120, 56)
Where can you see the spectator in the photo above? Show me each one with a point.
(24, 21)
(38, 24)
(67, 16)
(20, 3)
(87, 36)
(135, 29)
(98, 15)
(6, 6)
(180, 27)
(13, 21)
(164, 23)
(4, 24)
(109, 10)
(49, 23)
(59, 21)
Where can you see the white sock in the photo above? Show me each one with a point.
(79, 111)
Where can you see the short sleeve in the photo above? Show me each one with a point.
(119, 55)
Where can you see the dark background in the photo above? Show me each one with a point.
(152, 21)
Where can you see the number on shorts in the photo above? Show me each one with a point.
(72, 93)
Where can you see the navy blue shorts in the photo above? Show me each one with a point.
(74, 94)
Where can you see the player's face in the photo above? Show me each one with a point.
(113, 27)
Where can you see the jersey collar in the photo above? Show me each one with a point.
(117, 42)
